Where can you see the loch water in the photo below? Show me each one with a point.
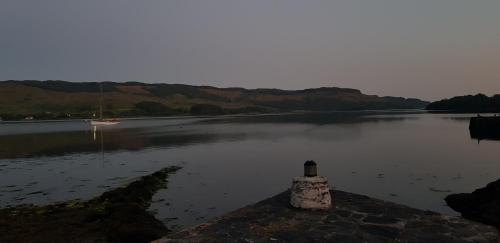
(414, 158)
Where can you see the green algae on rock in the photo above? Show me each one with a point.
(118, 215)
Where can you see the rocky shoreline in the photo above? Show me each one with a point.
(482, 205)
(118, 215)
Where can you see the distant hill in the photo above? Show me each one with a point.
(62, 99)
(468, 103)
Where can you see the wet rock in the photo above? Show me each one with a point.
(36, 192)
(380, 230)
(432, 189)
(380, 220)
(482, 205)
(119, 215)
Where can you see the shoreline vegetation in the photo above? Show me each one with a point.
(54, 100)
(119, 215)
(187, 116)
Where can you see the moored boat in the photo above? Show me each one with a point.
(104, 122)
(485, 127)
(101, 121)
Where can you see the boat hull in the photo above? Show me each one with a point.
(485, 127)
(103, 123)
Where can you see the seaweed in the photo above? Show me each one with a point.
(119, 215)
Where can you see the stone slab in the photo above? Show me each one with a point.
(354, 218)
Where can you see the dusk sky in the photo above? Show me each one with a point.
(429, 49)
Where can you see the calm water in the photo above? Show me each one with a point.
(411, 158)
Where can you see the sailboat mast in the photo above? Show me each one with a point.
(101, 121)
(100, 101)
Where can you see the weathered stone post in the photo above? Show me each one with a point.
(310, 191)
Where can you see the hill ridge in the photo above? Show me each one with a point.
(62, 99)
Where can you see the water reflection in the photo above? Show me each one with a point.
(59, 143)
(319, 118)
(132, 139)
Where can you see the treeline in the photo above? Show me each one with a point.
(469, 103)
(149, 108)
(141, 109)
(64, 86)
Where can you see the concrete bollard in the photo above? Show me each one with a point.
(310, 191)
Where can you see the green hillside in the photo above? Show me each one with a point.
(62, 99)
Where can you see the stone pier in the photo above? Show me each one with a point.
(354, 218)
(306, 214)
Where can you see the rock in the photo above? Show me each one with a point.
(119, 215)
(355, 218)
(310, 193)
(482, 205)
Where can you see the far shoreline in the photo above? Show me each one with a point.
(223, 115)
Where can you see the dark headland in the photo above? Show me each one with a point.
(479, 103)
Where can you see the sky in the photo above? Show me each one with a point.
(428, 49)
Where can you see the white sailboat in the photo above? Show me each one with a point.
(101, 121)
(104, 122)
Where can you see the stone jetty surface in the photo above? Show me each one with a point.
(353, 218)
